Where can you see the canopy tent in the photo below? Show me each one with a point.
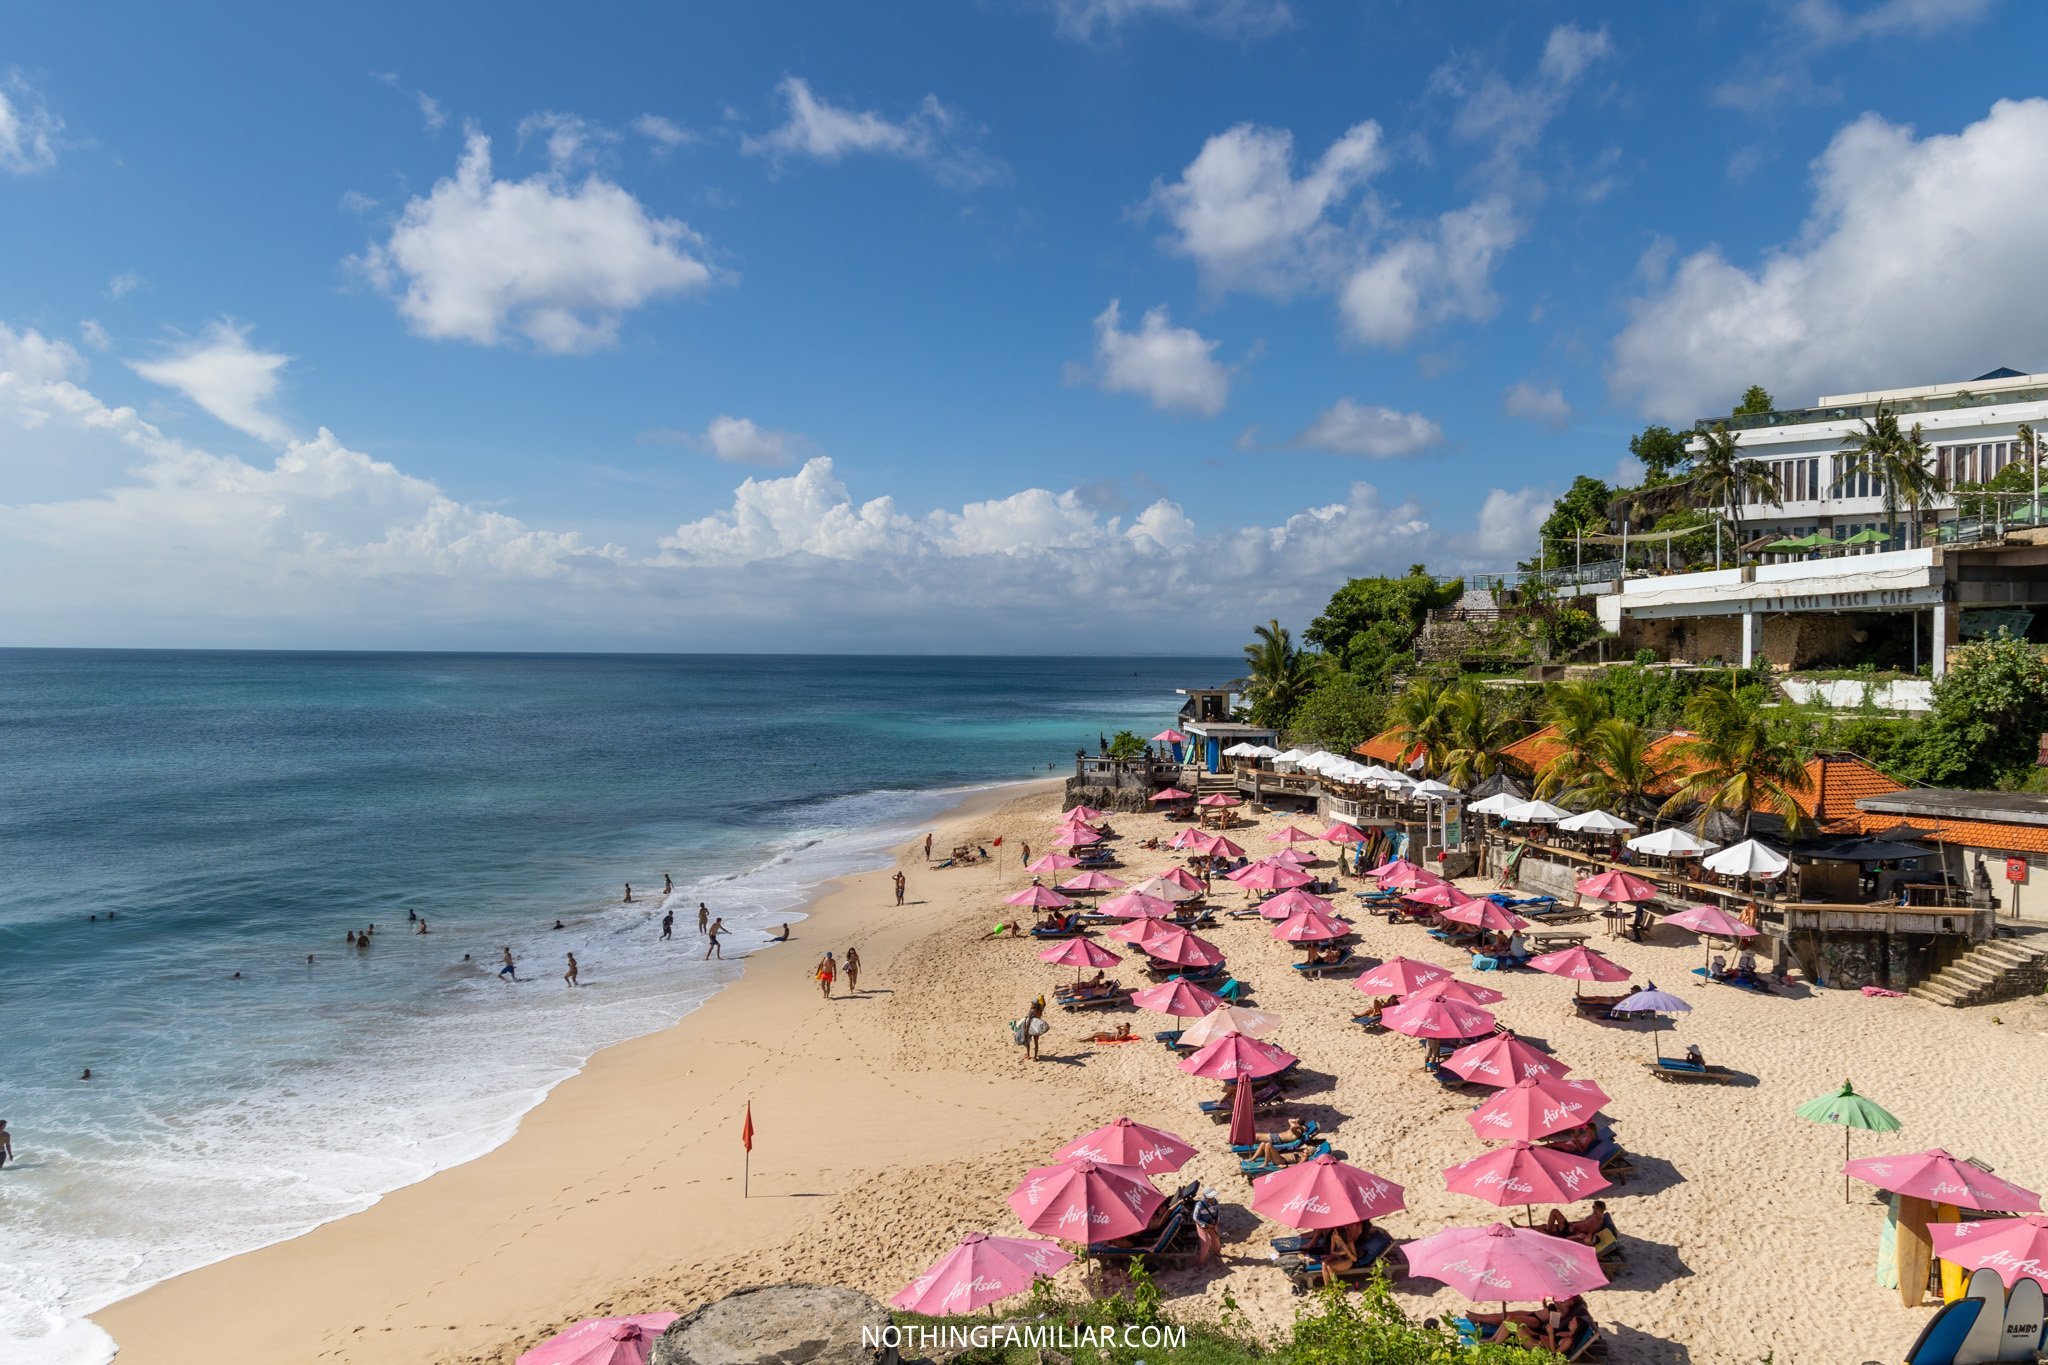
(1500, 784)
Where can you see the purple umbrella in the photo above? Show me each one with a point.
(1656, 1004)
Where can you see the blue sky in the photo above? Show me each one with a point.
(1034, 324)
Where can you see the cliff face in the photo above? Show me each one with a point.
(782, 1324)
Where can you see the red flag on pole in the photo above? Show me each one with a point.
(999, 842)
(747, 1128)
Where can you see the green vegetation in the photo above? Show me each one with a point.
(1661, 451)
(1737, 760)
(1722, 477)
(1755, 399)
(1365, 1327)
(1279, 677)
(1898, 459)
(1126, 744)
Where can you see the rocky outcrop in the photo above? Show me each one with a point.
(783, 1324)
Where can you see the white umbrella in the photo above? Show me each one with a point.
(1241, 750)
(1264, 751)
(1671, 843)
(1596, 822)
(1228, 1019)
(1500, 803)
(1165, 890)
(1536, 813)
(1317, 762)
(1435, 791)
(1746, 859)
(1290, 756)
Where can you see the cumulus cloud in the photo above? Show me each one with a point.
(1248, 222)
(739, 440)
(1090, 20)
(558, 263)
(1506, 527)
(30, 359)
(665, 134)
(94, 335)
(1175, 368)
(933, 136)
(221, 372)
(569, 140)
(1904, 272)
(1351, 428)
(1543, 404)
(1809, 29)
(28, 130)
(1441, 272)
(1512, 116)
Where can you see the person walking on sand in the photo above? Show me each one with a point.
(570, 975)
(1033, 1028)
(853, 971)
(827, 970)
(1024, 852)
(717, 928)
(927, 846)
(900, 885)
(507, 970)
(668, 925)
(703, 917)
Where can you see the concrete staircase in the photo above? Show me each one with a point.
(2005, 968)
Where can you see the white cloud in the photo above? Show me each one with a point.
(356, 202)
(28, 358)
(569, 140)
(1904, 272)
(1780, 70)
(1173, 367)
(1543, 404)
(1247, 222)
(1088, 20)
(1828, 22)
(124, 284)
(1510, 118)
(665, 134)
(225, 375)
(432, 116)
(557, 263)
(1350, 428)
(932, 136)
(739, 440)
(1441, 272)
(94, 335)
(28, 130)
(1507, 524)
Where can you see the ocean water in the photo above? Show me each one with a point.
(236, 812)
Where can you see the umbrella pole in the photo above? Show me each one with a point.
(1845, 1163)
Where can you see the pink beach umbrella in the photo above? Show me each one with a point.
(1712, 921)
(1075, 836)
(1175, 944)
(1092, 881)
(1503, 1264)
(1402, 976)
(1135, 932)
(1038, 898)
(1269, 877)
(1182, 878)
(1487, 915)
(1079, 952)
(1219, 800)
(1402, 875)
(1290, 835)
(1076, 830)
(2014, 1249)
(1580, 963)
(1216, 846)
(1536, 1107)
(1437, 1019)
(1341, 833)
(1188, 838)
(1525, 1173)
(1227, 1019)
(1618, 887)
(1085, 1201)
(980, 1271)
(1173, 794)
(602, 1341)
(1501, 1061)
(1181, 999)
(1324, 1192)
(1292, 857)
(1125, 1142)
(1935, 1175)
(1464, 992)
(1083, 814)
(1168, 737)
(1310, 926)
(1441, 894)
(1137, 905)
(1051, 862)
(1159, 888)
(1293, 902)
(1235, 1055)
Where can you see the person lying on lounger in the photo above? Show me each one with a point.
(1586, 1230)
(1694, 1057)
(1094, 985)
(1575, 1140)
(1295, 1132)
(1122, 1034)
(1326, 955)
(1520, 1325)
(1273, 1156)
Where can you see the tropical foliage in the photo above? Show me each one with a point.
(1126, 744)
(1737, 761)
(1279, 676)
(1626, 769)
(1726, 480)
(1896, 459)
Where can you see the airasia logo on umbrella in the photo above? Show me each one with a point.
(1557, 1112)
(1075, 1214)
(1307, 1203)
(1476, 1275)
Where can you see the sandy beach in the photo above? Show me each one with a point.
(890, 1122)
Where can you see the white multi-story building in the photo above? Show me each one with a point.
(1970, 429)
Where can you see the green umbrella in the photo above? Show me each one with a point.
(1786, 547)
(1868, 538)
(1851, 1110)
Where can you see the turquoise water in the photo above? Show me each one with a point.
(236, 812)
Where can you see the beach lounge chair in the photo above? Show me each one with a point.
(1263, 1097)
(1678, 1069)
(1449, 1079)
(1305, 1273)
(1069, 930)
(1344, 959)
(1233, 991)
(1166, 971)
(1498, 962)
(1169, 1037)
(1110, 1000)
(1746, 983)
(1309, 1132)
(1608, 1156)
(1596, 1006)
(1252, 1170)
(1583, 1345)
(1370, 1022)
(1169, 1237)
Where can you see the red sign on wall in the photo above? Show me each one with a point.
(2015, 869)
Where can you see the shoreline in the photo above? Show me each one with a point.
(172, 1320)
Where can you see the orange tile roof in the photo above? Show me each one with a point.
(1532, 751)
(1834, 784)
(1381, 748)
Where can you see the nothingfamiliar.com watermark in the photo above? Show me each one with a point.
(984, 1336)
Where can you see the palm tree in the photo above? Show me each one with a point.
(1735, 761)
(1576, 709)
(1723, 476)
(1474, 735)
(1897, 460)
(1280, 676)
(1626, 768)
(1419, 719)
